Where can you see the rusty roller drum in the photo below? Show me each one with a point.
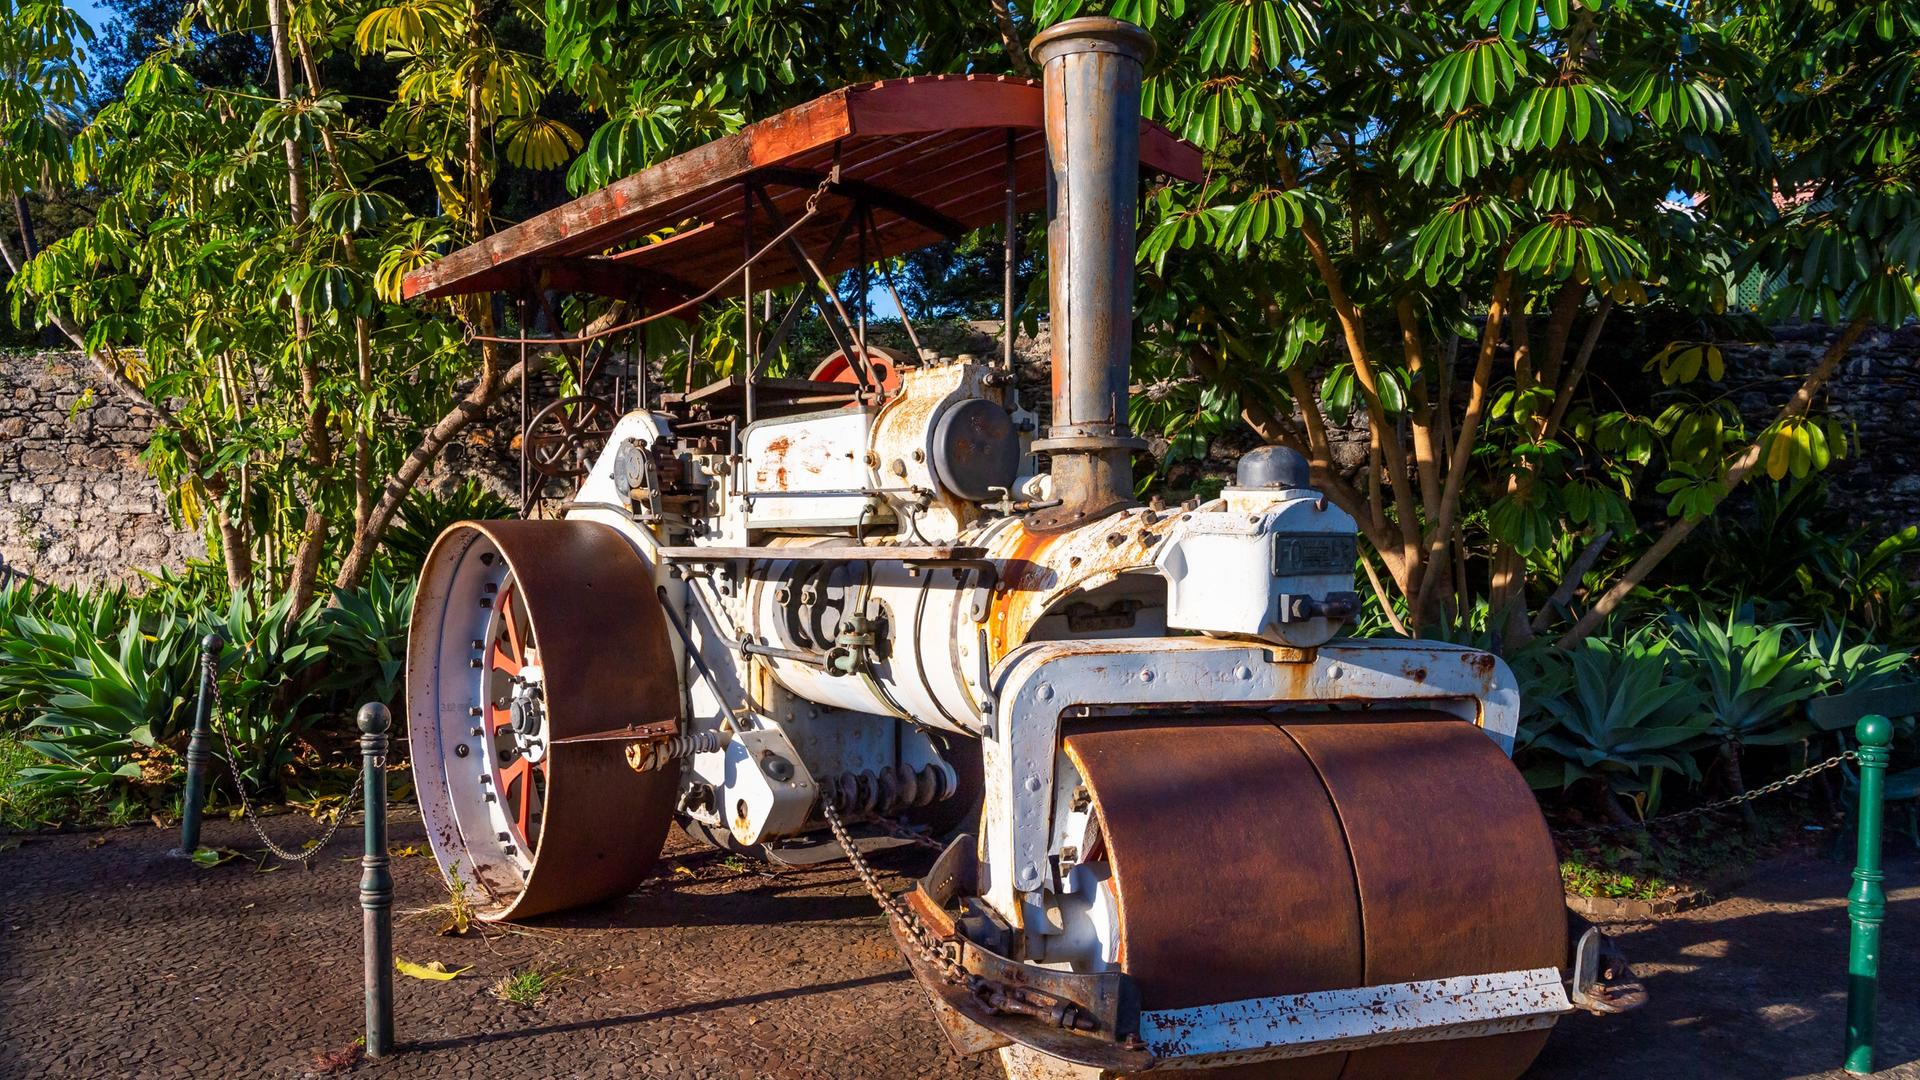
(1251, 859)
(523, 633)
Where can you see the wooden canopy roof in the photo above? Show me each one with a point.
(926, 158)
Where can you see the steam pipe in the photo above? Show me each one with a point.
(1091, 72)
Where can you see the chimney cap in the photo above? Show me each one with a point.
(1093, 33)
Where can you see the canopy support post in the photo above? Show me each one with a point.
(1012, 256)
(746, 287)
(526, 376)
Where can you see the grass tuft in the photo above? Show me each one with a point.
(527, 987)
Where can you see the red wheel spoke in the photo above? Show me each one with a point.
(500, 717)
(512, 620)
(500, 660)
(521, 773)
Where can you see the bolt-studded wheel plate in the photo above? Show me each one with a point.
(524, 633)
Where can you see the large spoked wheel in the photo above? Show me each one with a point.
(526, 634)
(1317, 856)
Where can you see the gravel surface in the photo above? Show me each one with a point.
(117, 960)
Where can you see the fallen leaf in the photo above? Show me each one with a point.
(8, 843)
(159, 822)
(683, 870)
(98, 841)
(328, 1062)
(210, 857)
(406, 852)
(432, 970)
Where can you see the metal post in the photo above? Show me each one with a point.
(197, 747)
(376, 882)
(526, 376)
(746, 286)
(1867, 903)
(1010, 254)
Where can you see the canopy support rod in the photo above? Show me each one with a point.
(842, 331)
(1011, 246)
(891, 201)
(746, 295)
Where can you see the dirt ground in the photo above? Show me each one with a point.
(117, 960)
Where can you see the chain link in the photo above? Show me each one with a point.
(210, 676)
(1760, 792)
(943, 955)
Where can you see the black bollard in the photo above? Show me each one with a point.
(197, 747)
(376, 882)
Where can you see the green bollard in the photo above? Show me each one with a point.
(376, 882)
(1867, 902)
(197, 748)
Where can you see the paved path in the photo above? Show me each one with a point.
(118, 961)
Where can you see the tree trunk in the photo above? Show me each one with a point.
(1737, 780)
(23, 214)
(399, 485)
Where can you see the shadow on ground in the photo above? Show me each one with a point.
(116, 960)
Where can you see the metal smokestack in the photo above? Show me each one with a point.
(1091, 73)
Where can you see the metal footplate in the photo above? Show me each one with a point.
(1298, 1025)
(1094, 1019)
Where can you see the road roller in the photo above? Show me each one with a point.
(1184, 823)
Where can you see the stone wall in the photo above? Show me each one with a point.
(1876, 391)
(76, 505)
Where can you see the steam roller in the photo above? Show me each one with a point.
(1185, 824)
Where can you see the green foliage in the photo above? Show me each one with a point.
(1751, 677)
(426, 514)
(1627, 716)
(105, 682)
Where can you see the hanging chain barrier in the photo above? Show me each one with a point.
(211, 677)
(1761, 792)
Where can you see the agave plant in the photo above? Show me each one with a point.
(368, 638)
(270, 693)
(1846, 661)
(117, 699)
(1753, 677)
(1624, 721)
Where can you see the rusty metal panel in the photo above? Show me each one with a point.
(937, 141)
(1455, 868)
(1217, 904)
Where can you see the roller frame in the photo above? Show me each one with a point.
(1039, 683)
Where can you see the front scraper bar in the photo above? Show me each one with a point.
(1297, 1025)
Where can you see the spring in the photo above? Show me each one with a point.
(886, 791)
(658, 753)
(689, 744)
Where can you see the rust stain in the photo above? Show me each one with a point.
(1039, 570)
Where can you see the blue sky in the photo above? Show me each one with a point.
(94, 13)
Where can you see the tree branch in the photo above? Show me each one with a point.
(1742, 466)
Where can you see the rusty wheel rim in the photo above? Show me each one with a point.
(524, 634)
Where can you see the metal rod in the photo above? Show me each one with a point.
(376, 881)
(526, 376)
(1867, 902)
(746, 287)
(1011, 245)
(843, 331)
(860, 208)
(886, 275)
(198, 752)
(640, 371)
